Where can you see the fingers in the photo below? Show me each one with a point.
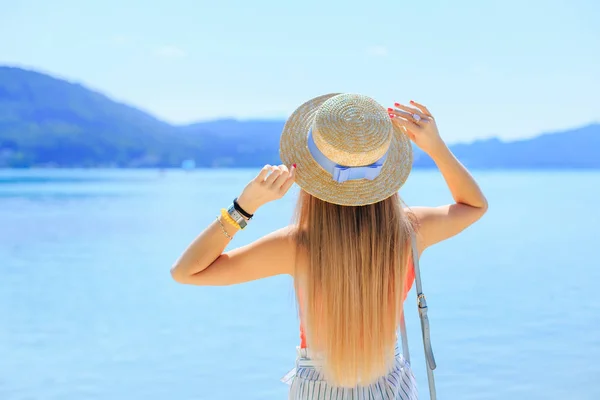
(404, 115)
(410, 110)
(284, 174)
(407, 126)
(263, 174)
(421, 107)
(289, 182)
(275, 176)
(284, 180)
(280, 176)
(274, 173)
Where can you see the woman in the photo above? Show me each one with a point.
(349, 247)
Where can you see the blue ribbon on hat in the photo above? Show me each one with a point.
(342, 173)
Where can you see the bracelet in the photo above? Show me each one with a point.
(223, 229)
(225, 215)
(237, 217)
(246, 214)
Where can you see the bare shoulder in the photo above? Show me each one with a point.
(277, 248)
(281, 242)
(283, 239)
(416, 224)
(286, 243)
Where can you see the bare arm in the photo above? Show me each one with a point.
(203, 262)
(270, 255)
(203, 251)
(440, 223)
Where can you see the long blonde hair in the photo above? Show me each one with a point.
(350, 290)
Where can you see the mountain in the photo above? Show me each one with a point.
(576, 148)
(45, 121)
(234, 143)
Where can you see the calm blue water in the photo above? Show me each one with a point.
(88, 310)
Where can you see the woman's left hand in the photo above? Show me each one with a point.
(419, 124)
(270, 184)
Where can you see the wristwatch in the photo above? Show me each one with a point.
(237, 217)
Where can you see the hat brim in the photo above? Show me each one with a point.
(312, 178)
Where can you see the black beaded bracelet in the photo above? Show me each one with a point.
(241, 210)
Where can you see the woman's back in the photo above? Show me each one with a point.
(349, 248)
(396, 381)
(352, 279)
(408, 283)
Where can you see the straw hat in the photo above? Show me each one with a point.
(346, 149)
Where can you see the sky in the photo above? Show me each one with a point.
(511, 69)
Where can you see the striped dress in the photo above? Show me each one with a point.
(307, 383)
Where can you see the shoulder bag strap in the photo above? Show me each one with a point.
(422, 305)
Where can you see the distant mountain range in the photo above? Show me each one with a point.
(49, 122)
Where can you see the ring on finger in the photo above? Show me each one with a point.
(416, 117)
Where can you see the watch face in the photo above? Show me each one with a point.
(233, 212)
(237, 217)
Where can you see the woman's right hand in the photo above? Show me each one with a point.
(421, 129)
(270, 184)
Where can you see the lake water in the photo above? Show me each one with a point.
(88, 309)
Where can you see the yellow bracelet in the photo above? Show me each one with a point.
(225, 215)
